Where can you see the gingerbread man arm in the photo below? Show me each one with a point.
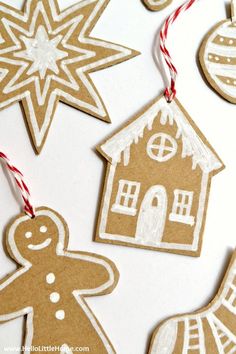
(90, 274)
(13, 296)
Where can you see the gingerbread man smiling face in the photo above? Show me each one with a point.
(30, 239)
(51, 284)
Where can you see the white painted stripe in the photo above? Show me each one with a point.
(226, 72)
(228, 89)
(232, 351)
(229, 306)
(157, 2)
(225, 345)
(222, 50)
(193, 327)
(228, 32)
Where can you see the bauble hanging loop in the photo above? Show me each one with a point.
(233, 10)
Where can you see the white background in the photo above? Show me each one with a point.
(68, 174)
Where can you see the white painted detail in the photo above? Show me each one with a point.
(50, 278)
(221, 50)
(152, 216)
(43, 52)
(182, 206)
(54, 297)
(169, 113)
(127, 197)
(157, 2)
(188, 220)
(28, 234)
(60, 315)
(161, 147)
(43, 229)
(40, 246)
(165, 340)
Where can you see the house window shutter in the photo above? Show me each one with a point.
(161, 147)
(127, 197)
(181, 211)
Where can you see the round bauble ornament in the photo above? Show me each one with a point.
(218, 58)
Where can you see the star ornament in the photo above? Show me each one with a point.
(47, 55)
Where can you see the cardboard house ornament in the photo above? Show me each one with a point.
(211, 330)
(159, 171)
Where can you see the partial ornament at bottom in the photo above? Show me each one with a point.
(211, 330)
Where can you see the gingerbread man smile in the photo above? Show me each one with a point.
(40, 246)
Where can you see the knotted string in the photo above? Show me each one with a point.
(21, 185)
(170, 92)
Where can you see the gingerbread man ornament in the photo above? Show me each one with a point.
(50, 285)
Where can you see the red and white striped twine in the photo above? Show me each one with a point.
(170, 92)
(23, 189)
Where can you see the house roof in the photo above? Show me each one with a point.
(194, 143)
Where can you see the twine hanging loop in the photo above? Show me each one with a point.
(170, 92)
(21, 185)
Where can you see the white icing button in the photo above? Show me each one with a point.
(43, 229)
(50, 278)
(54, 297)
(60, 315)
(28, 234)
(228, 60)
(217, 58)
(222, 39)
(231, 41)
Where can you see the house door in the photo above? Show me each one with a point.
(152, 216)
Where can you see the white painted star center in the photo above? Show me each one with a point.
(43, 52)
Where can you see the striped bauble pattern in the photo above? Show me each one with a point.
(218, 59)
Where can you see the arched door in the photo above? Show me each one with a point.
(152, 216)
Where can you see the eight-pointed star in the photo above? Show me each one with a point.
(46, 55)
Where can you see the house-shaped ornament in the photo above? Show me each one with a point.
(159, 170)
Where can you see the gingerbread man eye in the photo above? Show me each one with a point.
(28, 234)
(43, 229)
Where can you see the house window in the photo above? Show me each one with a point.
(127, 197)
(182, 206)
(161, 147)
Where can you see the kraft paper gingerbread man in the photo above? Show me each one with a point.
(51, 283)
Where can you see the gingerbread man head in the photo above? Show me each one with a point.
(28, 240)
